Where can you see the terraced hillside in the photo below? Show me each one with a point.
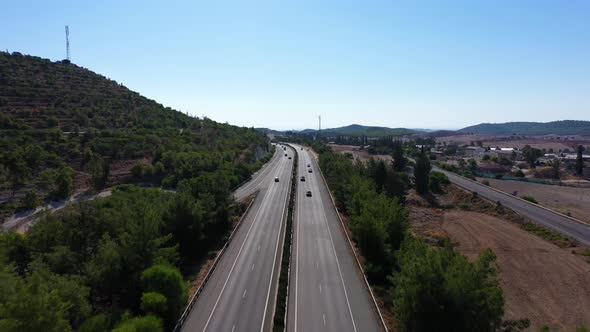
(65, 129)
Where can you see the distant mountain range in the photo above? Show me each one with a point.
(565, 127)
(352, 130)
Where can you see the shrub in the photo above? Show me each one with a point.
(486, 183)
(530, 199)
(436, 180)
(147, 323)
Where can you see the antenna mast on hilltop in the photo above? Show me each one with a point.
(68, 43)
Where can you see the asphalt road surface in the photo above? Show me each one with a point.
(326, 288)
(241, 293)
(558, 223)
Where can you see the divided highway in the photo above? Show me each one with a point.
(241, 293)
(326, 288)
(559, 223)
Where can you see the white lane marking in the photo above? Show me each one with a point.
(233, 328)
(258, 247)
(337, 261)
(320, 288)
(324, 315)
(252, 268)
(265, 202)
(317, 266)
(275, 255)
(244, 295)
(297, 263)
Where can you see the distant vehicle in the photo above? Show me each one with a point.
(285, 154)
(276, 179)
(303, 178)
(308, 193)
(308, 165)
(309, 171)
(301, 149)
(289, 157)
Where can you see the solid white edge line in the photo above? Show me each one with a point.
(337, 261)
(352, 248)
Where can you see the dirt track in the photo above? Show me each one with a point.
(541, 282)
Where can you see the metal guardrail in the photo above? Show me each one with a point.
(195, 296)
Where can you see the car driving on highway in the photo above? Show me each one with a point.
(309, 171)
(277, 179)
(308, 193)
(303, 179)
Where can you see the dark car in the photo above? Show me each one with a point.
(308, 165)
(285, 154)
(303, 179)
(308, 193)
(309, 171)
(289, 157)
(276, 179)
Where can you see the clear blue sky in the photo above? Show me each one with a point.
(278, 64)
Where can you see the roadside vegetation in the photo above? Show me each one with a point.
(428, 288)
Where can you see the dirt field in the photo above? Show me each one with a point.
(541, 282)
(357, 153)
(575, 201)
(547, 284)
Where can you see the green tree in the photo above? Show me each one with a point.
(30, 200)
(399, 160)
(436, 180)
(441, 290)
(531, 155)
(155, 303)
(580, 160)
(168, 281)
(421, 173)
(99, 170)
(555, 165)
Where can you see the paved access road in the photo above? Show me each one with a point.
(561, 224)
(326, 288)
(241, 293)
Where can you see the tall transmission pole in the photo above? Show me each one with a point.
(319, 125)
(68, 43)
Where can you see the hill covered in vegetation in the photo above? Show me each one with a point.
(120, 262)
(59, 120)
(357, 130)
(565, 127)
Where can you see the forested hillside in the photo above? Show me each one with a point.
(121, 262)
(65, 129)
(566, 127)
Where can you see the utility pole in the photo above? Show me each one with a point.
(319, 126)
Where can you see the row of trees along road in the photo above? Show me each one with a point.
(429, 288)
